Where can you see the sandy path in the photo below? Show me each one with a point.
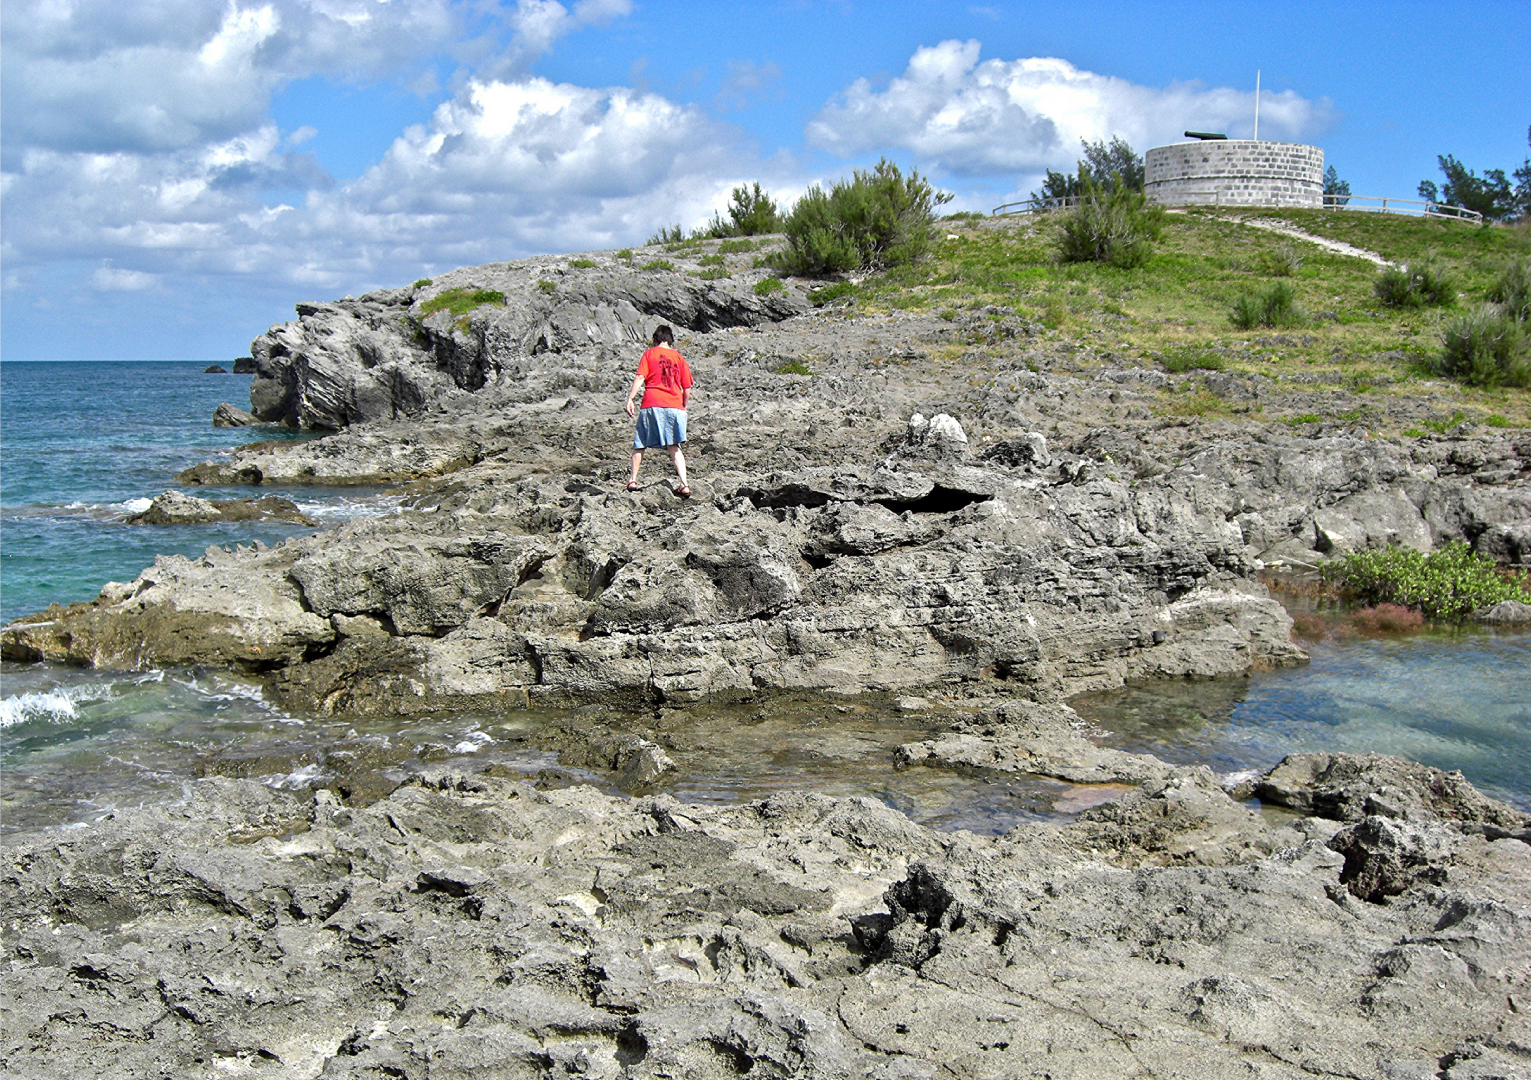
(1336, 246)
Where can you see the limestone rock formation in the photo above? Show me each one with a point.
(473, 925)
(178, 508)
(226, 415)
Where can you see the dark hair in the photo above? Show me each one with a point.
(663, 335)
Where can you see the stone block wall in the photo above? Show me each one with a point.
(1235, 172)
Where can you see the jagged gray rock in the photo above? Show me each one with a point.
(469, 924)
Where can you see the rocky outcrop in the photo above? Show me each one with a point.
(177, 508)
(226, 415)
(1043, 533)
(469, 924)
(397, 352)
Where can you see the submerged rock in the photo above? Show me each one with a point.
(177, 508)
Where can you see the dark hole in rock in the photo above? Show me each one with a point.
(735, 1058)
(783, 497)
(941, 500)
(632, 1047)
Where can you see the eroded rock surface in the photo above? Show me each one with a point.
(467, 925)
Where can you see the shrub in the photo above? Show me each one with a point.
(714, 273)
(548, 287)
(423, 283)
(1303, 418)
(659, 264)
(751, 212)
(1513, 289)
(821, 296)
(1415, 285)
(1283, 262)
(1273, 306)
(1487, 348)
(582, 264)
(673, 234)
(876, 219)
(1117, 227)
(461, 301)
(735, 247)
(1449, 583)
(711, 260)
(1499, 420)
(626, 254)
(768, 286)
(1191, 359)
(793, 367)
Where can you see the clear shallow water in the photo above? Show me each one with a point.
(83, 445)
(1454, 700)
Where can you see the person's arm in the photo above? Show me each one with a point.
(685, 384)
(638, 383)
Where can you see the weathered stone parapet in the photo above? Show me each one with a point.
(1235, 172)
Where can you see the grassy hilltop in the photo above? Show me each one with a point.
(1175, 311)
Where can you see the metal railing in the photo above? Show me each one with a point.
(1035, 206)
(1374, 203)
(1414, 207)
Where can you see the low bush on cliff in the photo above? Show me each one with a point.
(1273, 306)
(1415, 285)
(1487, 348)
(1513, 289)
(1445, 584)
(879, 218)
(1116, 225)
(461, 301)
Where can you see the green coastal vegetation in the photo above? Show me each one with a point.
(1446, 584)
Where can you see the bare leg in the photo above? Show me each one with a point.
(680, 464)
(637, 461)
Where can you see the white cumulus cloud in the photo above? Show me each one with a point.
(973, 117)
(110, 279)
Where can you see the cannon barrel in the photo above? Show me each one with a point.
(1204, 135)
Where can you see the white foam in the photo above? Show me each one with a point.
(347, 509)
(53, 706)
(1234, 779)
(473, 742)
(299, 778)
(135, 506)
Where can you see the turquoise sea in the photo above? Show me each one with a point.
(83, 445)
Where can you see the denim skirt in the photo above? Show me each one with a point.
(659, 427)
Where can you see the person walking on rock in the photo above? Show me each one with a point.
(665, 379)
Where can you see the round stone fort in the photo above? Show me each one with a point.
(1235, 172)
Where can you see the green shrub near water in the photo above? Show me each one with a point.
(461, 301)
(877, 219)
(1487, 348)
(768, 286)
(1273, 306)
(1116, 226)
(1445, 584)
(1415, 285)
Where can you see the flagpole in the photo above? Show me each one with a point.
(1257, 105)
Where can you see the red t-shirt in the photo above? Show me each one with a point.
(665, 374)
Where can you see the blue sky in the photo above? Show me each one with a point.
(177, 173)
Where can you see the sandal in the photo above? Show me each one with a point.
(683, 491)
(632, 485)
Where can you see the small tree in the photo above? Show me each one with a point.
(1102, 162)
(1489, 194)
(751, 212)
(878, 218)
(1113, 225)
(1333, 185)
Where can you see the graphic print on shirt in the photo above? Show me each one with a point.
(668, 372)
